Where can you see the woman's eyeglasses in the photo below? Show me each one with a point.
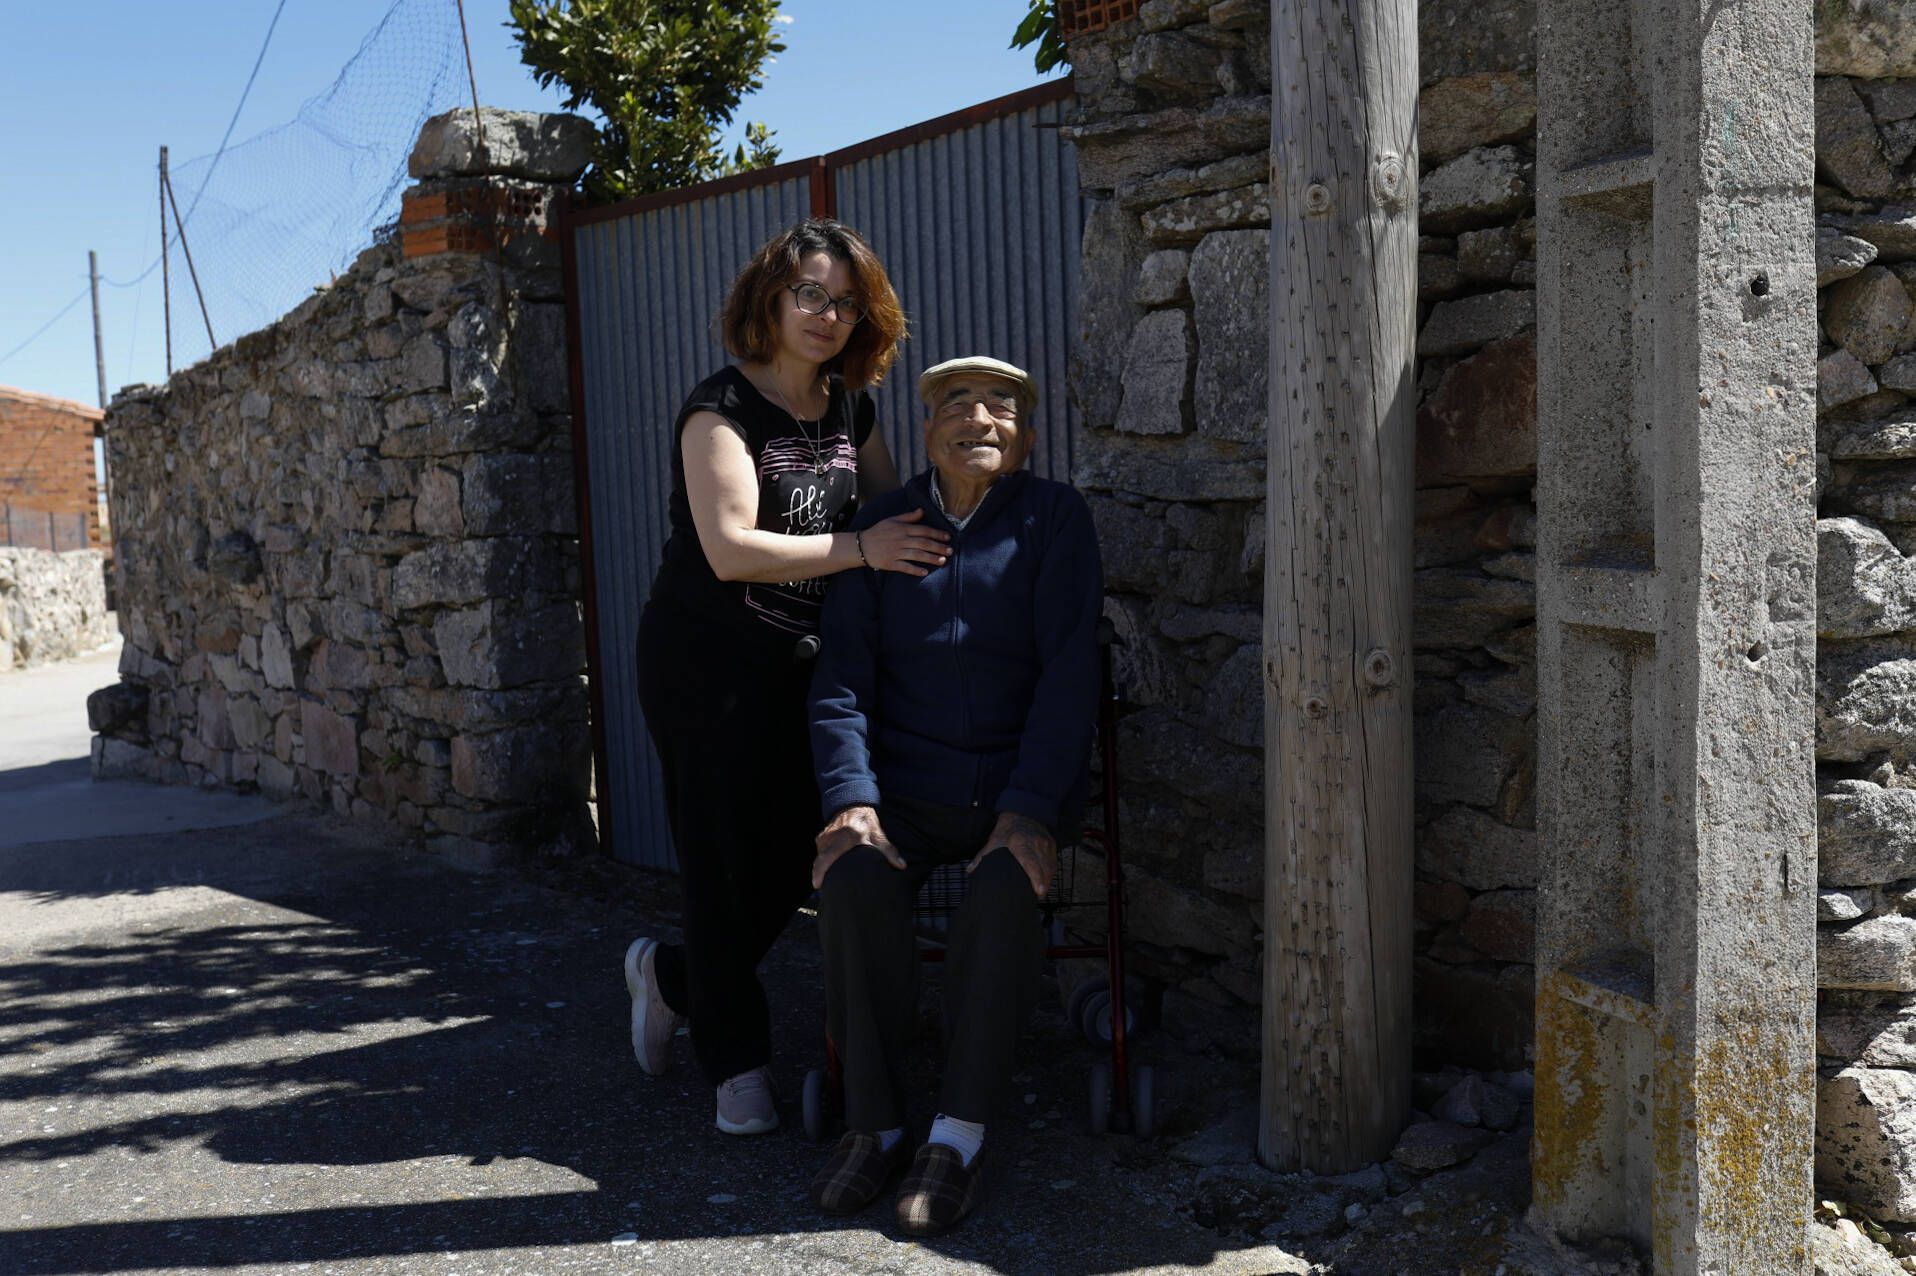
(814, 300)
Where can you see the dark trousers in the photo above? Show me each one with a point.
(728, 719)
(871, 964)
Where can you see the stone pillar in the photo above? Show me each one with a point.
(1676, 316)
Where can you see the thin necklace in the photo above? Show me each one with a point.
(815, 441)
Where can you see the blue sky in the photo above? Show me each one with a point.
(94, 89)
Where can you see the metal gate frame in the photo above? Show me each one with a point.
(823, 174)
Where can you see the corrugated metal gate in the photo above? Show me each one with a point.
(976, 216)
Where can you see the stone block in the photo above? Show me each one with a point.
(1465, 37)
(1866, 835)
(1185, 221)
(1474, 1101)
(1453, 607)
(1486, 108)
(1230, 291)
(275, 778)
(516, 492)
(495, 645)
(1892, 231)
(1157, 375)
(1866, 1140)
(1502, 925)
(1886, 493)
(118, 708)
(1111, 251)
(1873, 38)
(1461, 326)
(332, 740)
(1838, 256)
(1864, 699)
(1168, 469)
(1849, 151)
(1845, 905)
(539, 351)
(1172, 916)
(1489, 255)
(1467, 753)
(1467, 846)
(1175, 65)
(1111, 152)
(467, 572)
(523, 764)
(1867, 314)
(1437, 1145)
(1865, 587)
(1485, 185)
(537, 146)
(115, 759)
(422, 365)
(1842, 378)
(1163, 15)
(1899, 374)
(436, 505)
(1890, 439)
(1163, 279)
(1877, 954)
(1877, 1034)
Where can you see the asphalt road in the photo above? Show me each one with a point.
(240, 1038)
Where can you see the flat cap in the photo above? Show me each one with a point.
(931, 378)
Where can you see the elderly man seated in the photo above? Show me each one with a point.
(952, 716)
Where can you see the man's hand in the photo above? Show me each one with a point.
(1030, 842)
(852, 827)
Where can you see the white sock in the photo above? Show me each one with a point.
(962, 1137)
(888, 1139)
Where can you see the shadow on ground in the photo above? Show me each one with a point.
(359, 1054)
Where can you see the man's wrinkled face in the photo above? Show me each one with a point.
(976, 430)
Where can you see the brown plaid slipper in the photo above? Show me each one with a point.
(938, 1191)
(858, 1171)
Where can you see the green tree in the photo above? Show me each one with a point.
(665, 76)
(1040, 27)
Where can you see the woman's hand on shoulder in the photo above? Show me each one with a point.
(902, 543)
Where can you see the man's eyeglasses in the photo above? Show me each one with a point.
(814, 300)
(1002, 407)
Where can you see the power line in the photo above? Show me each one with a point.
(225, 138)
(228, 135)
(37, 332)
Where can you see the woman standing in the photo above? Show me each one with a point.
(770, 457)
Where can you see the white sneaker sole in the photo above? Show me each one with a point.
(760, 1125)
(641, 1002)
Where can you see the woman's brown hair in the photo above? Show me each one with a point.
(747, 322)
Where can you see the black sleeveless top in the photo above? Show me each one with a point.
(807, 485)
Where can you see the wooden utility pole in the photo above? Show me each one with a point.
(99, 347)
(1337, 583)
(166, 270)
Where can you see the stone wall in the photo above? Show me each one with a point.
(1866, 612)
(348, 555)
(52, 606)
(1171, 378)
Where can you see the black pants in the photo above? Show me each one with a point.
(728, 718)
(871, 964)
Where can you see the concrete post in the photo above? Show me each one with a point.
(1676, 630)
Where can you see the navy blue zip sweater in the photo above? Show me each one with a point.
(977, 684)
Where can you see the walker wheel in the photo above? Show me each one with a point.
(1074, 1004)
(813, 1105)
(1143, 1101)
(1100, 1096)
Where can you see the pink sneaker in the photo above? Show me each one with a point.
(653, 1022)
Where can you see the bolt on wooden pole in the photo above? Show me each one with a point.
(1337, 583)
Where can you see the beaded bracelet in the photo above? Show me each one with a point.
(858, 539)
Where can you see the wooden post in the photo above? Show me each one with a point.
(166, 271)
(1337, 583)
